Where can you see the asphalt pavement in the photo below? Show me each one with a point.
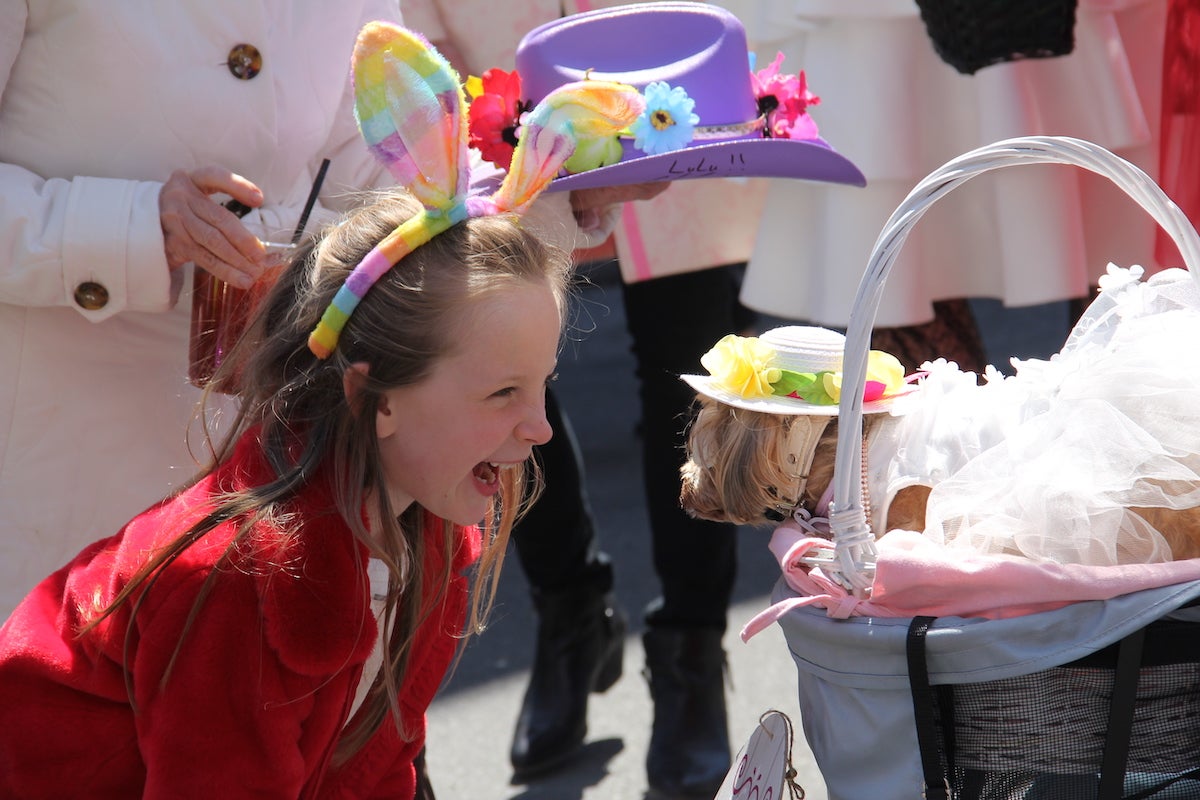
(471, 721)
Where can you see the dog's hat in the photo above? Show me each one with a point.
(707, 114)
(793, 370)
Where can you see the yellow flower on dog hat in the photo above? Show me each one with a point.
(793, 370)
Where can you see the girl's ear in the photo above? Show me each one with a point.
(353, 381)
(385, 420)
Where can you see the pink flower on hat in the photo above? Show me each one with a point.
(784, 100)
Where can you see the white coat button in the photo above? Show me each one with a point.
(91, 296)
(245, 61)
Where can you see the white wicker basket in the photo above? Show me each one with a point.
(852, 559)
(995, 708)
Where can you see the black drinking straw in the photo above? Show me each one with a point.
(312, 200)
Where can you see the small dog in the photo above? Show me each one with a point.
(763, 442)
(756, 458)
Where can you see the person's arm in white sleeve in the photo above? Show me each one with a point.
(58, 235)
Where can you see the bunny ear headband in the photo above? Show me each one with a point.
(412, 113)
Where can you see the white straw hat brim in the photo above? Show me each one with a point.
(707, 386)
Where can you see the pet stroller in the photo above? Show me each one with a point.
(904, 696)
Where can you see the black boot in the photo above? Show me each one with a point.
(689, 743)
(580, 645)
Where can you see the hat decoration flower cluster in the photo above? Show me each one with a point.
(747, 367)
(667, 123)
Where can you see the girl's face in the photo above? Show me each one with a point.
(444, 440)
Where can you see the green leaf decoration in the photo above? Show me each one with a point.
(808, 386)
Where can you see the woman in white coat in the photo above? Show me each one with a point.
(116, 121)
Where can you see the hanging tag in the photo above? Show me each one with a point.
(763, 767)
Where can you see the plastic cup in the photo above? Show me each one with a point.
(220, 313)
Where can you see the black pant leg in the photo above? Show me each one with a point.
(673, 321)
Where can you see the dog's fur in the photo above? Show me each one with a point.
(737, 470)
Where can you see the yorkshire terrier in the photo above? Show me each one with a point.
(757, 456)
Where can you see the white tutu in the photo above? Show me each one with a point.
(1048, 463)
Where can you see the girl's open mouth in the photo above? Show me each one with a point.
(487, 477)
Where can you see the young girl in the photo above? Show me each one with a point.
(279, 627)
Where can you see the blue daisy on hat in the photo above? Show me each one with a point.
(668, 123)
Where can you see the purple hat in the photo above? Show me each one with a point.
(687, 53)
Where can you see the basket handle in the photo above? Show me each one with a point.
(853, 559)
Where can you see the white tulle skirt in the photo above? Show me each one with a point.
(1049, 462)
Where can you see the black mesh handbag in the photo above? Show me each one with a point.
(972, 34)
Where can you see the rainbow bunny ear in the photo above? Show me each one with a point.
(572, 113)
(411, 111)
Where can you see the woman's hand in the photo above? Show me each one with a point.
(584, 200)
(597, 210)
(199, 230)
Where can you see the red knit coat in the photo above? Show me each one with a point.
(262, 686)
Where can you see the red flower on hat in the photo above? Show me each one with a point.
(495, 116)
(784, 101)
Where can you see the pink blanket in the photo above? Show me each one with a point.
(915, 576)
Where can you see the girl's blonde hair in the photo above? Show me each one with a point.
(402, 327)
